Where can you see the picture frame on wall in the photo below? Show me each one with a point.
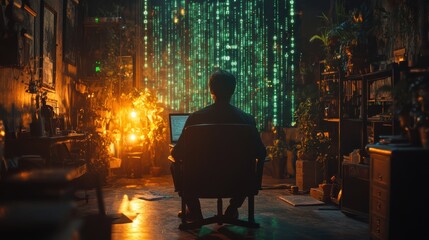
(48, 46)
(17, 44)
(70, 31)
(27, 31)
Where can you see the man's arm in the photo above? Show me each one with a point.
(178, 151)
(261, 151)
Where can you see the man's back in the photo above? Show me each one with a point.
(222, 86)
(221, 113)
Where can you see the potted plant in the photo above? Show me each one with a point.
(150, 124)
(277, 152)
(99, 140)
(329, 43)
(313, 147)
(344, 37)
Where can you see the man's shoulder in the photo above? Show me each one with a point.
(198, 116)
(200, 112)
(248, 117)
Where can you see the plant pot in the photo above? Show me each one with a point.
(291, 160)
(278, 167)
(308, 174)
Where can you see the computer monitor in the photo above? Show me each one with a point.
(177, 122)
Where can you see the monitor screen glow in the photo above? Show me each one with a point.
(177, 122)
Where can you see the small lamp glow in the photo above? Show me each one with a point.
(133, 114)
(132, 137)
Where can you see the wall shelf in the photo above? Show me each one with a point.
(356, 112)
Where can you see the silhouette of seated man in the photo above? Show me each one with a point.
(222, 86)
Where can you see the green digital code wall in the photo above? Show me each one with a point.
(185, 41)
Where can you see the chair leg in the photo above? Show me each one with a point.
(183, 211)
(222, 219)
(219, 211)
(251, 218)
(251, 203)
(100, 200)
(250, 223)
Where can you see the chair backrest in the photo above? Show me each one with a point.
(219, 161)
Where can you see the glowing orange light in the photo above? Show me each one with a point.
(358, 17)
(133, 114)
(132, 137)
(176, 20)
(182, 11)
(112, 148)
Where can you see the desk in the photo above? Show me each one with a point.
(49, 183)
(49, 148)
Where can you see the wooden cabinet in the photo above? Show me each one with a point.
(398, 202)
(328, 89)
(368, 98)
(378, 111)
(358, 109)
(355, 191)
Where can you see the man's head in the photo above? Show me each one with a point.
(222, 85)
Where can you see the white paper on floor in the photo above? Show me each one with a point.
(300, 200)
(151, 195)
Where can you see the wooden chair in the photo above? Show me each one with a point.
(220, 163)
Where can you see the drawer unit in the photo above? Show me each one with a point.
(396, 173)
(380, 169)
(378, 227)
(379, 206)
(379, 192)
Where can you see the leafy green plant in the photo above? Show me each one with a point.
(152, 124)
(328, 43)
(279, 147)
(344, 38)
(98, 165)
(92, 120)
(277, 152)
(314, 144)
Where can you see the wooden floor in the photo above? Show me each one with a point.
(146, 208)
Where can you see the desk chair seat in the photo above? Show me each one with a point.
(220, 163)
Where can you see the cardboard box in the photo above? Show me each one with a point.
(318, 194)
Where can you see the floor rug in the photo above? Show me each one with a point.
(300, 200)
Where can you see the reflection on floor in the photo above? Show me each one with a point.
(146, 208)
